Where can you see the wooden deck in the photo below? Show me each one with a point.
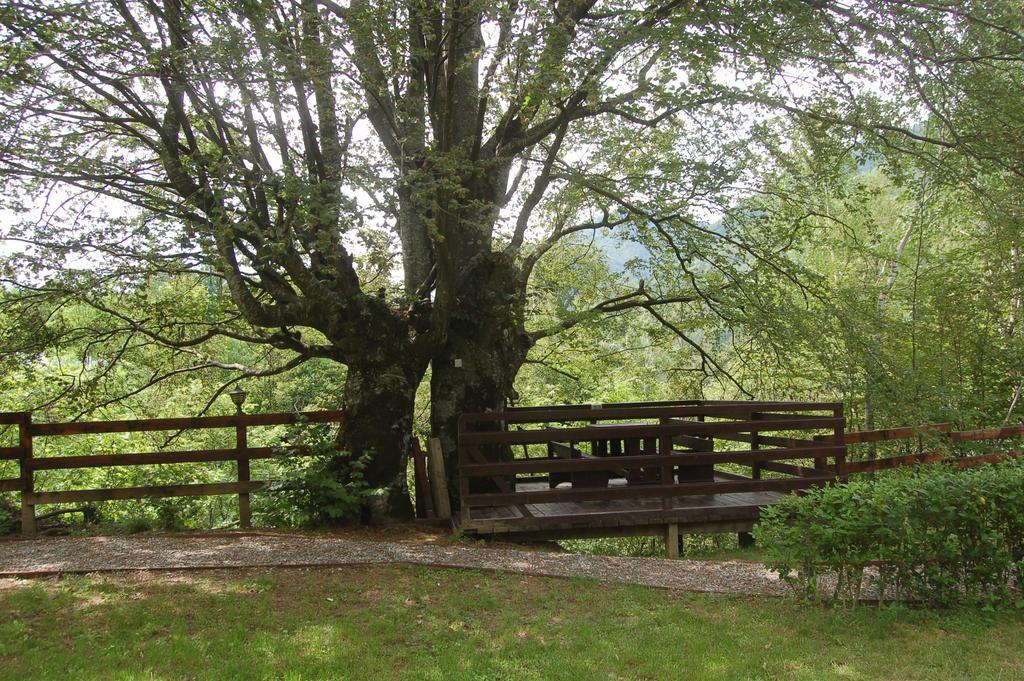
(640, 469)
(728, 512)
(671, 467)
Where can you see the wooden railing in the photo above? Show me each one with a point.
(657, 451)
(942, 433)
(241, 453)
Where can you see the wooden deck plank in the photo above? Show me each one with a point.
(619, 512)
(614, 516)
(734, 509)
(684, 517)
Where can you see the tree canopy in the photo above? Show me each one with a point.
(376, 183)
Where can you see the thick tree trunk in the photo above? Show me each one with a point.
(485, 346)
(379, 402)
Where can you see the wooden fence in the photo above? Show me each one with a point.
(624, 455)
(945, 438)
(241, 453)
(636, 452)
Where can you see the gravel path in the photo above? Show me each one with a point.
(95, 554)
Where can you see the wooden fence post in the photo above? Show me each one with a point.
(755, 444)
(438, 481)
(244, 509)
(28, 510)
(840, 439)
(668, 476)
(462, 458)
(420, 492)
(672, 540)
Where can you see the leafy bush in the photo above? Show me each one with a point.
(10, 517)
(327, 487)
(935, 535)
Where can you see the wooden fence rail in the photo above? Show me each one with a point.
(888, 434)
(241, 454)
(941, 431)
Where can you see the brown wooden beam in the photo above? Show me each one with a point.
(614, 412)
(623, 431)
(852, 467)
(855, 467)
(774, 440)
(187, 423)
(438, 479)
(640, 491)
(583, 524)
(419, 481)
(158, 458)
(10, 453)
(243, 475)
(149, 492)
(791, 469)
(772, 416)
(987, 434)
(647, 530)
(28, 510)
(862, 436)
(642, 461)
(672, 540)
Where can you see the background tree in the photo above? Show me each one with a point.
(905, 306)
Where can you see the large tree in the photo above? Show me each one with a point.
(374, 183)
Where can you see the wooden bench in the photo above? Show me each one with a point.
(578, 479)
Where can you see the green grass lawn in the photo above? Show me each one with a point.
(408, 622)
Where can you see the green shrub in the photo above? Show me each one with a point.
(326, 488)
(10, 517)
(936, 535)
